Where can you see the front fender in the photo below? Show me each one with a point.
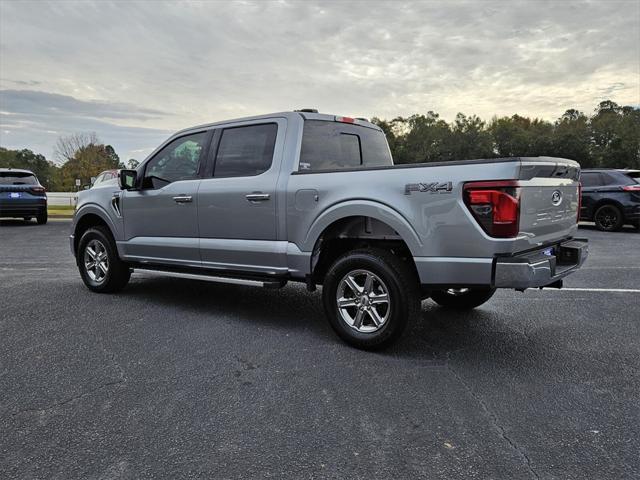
(96, 209)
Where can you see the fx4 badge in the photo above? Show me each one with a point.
(433, 187)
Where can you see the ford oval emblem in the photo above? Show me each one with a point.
(556, 197)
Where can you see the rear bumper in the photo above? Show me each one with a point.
(22, 209)
(540, 267)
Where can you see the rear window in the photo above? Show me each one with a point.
(17, 178)
(334, 145)
(634, 175)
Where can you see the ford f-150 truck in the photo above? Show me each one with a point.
(316, 198)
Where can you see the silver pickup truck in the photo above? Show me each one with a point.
(316, 198)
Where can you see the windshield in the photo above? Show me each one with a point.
(328, 145)
(17, 178)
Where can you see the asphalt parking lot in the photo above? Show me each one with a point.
(177, 378)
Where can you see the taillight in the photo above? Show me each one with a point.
(631, 188)
(37, 190)
(495, 206)
(579, 201)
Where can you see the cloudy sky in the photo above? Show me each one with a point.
(135, 72)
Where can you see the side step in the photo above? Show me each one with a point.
(214, 278)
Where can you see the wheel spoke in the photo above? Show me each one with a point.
(346, 302)
(102, 266)
(375, 316)
(368, 283)
(91, 252)
(379, 298)
(357, 322)
(350, 281)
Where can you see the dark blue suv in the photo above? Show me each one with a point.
(22, 196)
(610, 198)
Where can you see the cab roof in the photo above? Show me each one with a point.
(307, 114)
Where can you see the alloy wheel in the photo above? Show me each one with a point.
(363, 301)
(96, 261)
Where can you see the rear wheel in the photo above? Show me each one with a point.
(369, 297)
(42, 217)
(608, 218)
(100, 267)
(462, 298)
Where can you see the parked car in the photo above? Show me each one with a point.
(610, 198)
(108, 176)
(22, 196)
(316, 198)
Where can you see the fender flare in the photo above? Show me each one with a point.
(95, 209)
(363, 208)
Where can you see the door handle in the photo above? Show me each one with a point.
(183, 199)
(257, 197)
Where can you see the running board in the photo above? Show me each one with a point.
(217, 279)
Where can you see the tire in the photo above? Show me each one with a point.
(117, 274)
(462, 299)
(608, 218)
(379, 272)
(42, 218)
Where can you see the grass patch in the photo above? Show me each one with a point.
(65, 210)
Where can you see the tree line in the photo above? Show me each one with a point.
(608, 138)
(80, 156)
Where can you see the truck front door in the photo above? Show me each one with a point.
(161, 217)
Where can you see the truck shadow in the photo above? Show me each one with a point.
(437, 335)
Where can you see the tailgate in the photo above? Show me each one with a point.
(549, 199)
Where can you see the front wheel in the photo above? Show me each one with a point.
(462, 298)
(369, 297)
(608, 218)
(100, 267)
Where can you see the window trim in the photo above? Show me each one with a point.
(211, 172)
(201, 163)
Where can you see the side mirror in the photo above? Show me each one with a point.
(127, 179)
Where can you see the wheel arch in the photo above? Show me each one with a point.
(91, 216)
(349, 226)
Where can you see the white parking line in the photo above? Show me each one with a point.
(615, 290)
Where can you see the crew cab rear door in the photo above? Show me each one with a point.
(237, 199)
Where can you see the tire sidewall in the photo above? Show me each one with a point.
(615, 227)
(397, 317)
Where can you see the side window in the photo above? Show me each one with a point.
(328, 145)
(590, 179)
(178, 160)
(245, 151)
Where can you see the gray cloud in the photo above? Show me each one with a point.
(126, 64)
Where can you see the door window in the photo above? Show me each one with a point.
(245, 151)
(179, 160)
(591, 179)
